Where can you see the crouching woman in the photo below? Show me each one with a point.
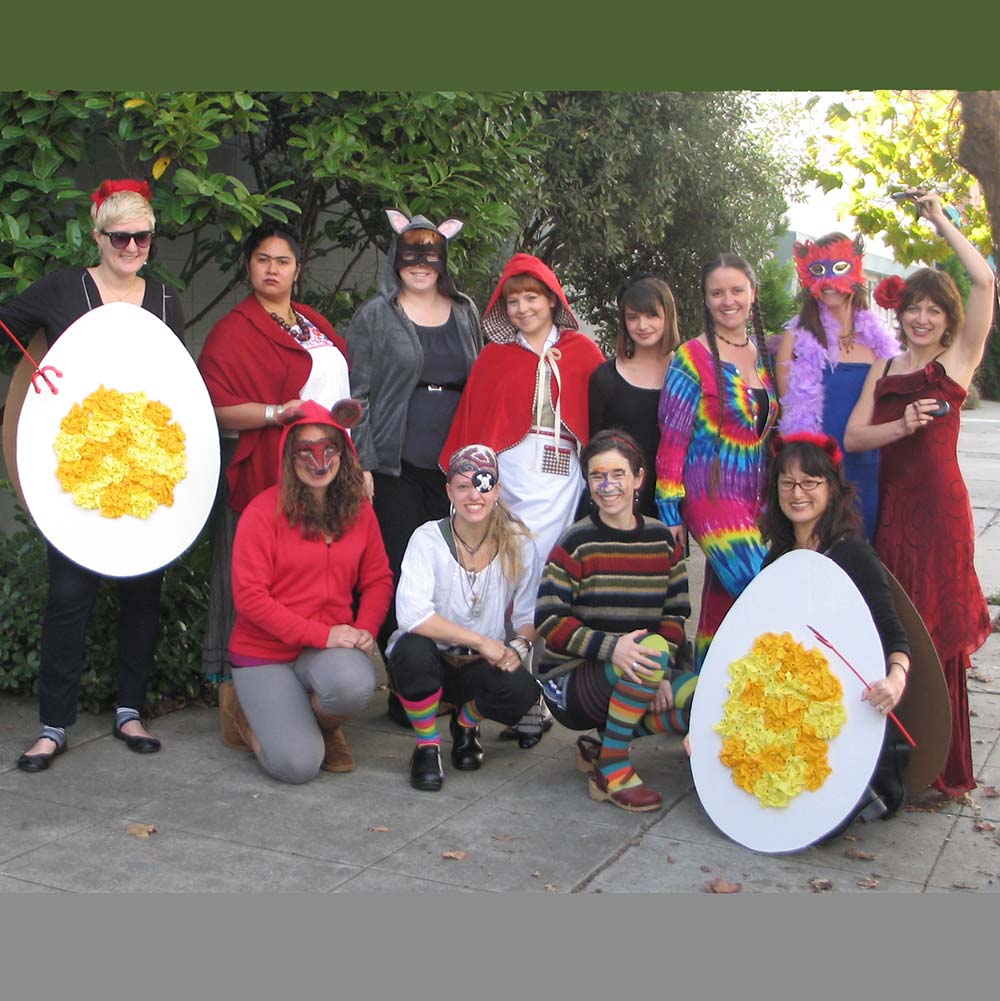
(459, 576)
(307, 553)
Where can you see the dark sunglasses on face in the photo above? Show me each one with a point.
(121, 240)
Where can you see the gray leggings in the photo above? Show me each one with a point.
(275, 698)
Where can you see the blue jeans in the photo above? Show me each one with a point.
(72, 592)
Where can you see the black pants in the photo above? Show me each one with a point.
(72, 592)
(417, 669)
(402, 504)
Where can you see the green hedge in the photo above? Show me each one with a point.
(177, 674)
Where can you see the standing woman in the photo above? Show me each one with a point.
(312, 585)
(527, 400)
(909, 408)
(411, 348)
(259, 362)
(827, 351)
(123, 231)
(625, 390)
(460, 576)
(717, 409)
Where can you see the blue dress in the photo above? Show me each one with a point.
(841, 389)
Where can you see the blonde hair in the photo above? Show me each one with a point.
(508, 529)
(120, 206)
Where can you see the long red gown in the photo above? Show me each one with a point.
(926, 537)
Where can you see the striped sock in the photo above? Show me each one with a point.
(626, 708)
(469, 715)
(123, 715)
(677, 719)
(423, 717)
(54, 733)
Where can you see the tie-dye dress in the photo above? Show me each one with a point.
(721, 516)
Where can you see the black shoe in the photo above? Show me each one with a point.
(39, 762)
(531, 727)
(395, 711)
(466, 751)
(426, 772)
(888, 778)
(141, 745)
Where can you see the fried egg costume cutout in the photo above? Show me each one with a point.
(123, 347)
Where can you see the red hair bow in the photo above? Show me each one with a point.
(109, 188)
(889, 292)
(823, 441)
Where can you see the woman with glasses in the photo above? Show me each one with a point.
(312, 585)
(123, 231)
(259, 362)
(411, 347)
(909, 409)
(810, 504)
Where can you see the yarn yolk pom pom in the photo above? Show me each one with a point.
(120, 453)
(784, 706)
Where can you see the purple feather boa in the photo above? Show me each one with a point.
(802, 405)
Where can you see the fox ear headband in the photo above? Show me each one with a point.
(823, 441)
(835, 265)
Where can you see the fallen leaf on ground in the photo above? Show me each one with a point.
(963, 886)
(723, 886)
(503, 837)
(670, 859)
(984, 825)
(858, 853)
(990, 792)
(381, 830)
(635, 842)
(981, 676)
(141, 830)
(550, 888)
(820, 885)
(851, 837)
(868, 884)
(535, 875)
(457, 856)
(706, 868)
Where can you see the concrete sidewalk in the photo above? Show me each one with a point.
(522, 823)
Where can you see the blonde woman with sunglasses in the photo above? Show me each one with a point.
(123, 227)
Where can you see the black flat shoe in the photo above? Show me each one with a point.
(531, 727)
(426, 773)
(39, 762)
(466, 751)
(141, 745)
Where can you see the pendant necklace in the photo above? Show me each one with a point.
(474, 598)
(471, 550)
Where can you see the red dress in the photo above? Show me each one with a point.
(926, 537)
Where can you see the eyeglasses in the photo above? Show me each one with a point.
(808, 486)
(121, 240)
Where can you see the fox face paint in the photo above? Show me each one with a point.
(316, 456)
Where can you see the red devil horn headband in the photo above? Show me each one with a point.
(109, 188)
(823, 441)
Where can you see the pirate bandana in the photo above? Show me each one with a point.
(479, 463)
(835, 265)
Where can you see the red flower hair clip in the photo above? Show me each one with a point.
(109, 188)
(889, 292)
(820, 440)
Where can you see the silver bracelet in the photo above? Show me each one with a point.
(520, 646)
(269, 413)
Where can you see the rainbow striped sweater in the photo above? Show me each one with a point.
(602, 582)
(723, 519)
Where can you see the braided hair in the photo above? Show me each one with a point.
(730, 260)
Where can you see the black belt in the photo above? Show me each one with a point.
(437, 387)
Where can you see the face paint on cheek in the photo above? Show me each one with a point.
(316, 456)
(607, 486)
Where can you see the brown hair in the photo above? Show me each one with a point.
(611, 439)
(419, 236)
(653, 297)
(940, 288)
(729, 260)
(809, 311)
(343, 497)
(527, 283)
(841, 515)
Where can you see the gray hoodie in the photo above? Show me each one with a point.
(386, 360)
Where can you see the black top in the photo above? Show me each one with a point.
(435, 399)
(858, 560)
(59, 299)
(760, 395)
(616, 403)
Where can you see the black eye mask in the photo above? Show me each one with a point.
(429, 254)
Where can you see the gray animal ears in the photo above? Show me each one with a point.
(399, 222)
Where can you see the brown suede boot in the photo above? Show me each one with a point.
(236, 732)
(337, 756)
